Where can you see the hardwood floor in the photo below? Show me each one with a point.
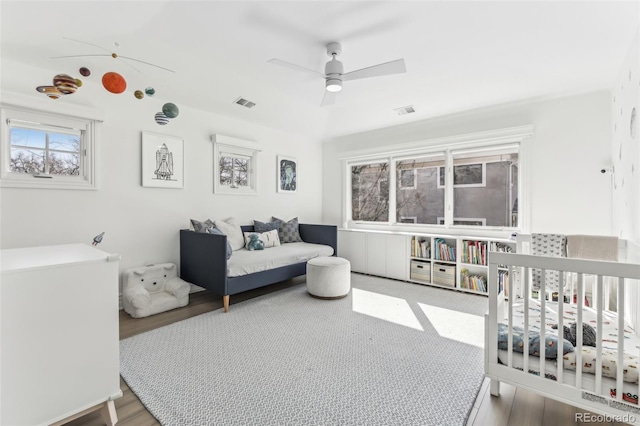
(514, 407)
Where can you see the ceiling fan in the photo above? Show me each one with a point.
(334, 73)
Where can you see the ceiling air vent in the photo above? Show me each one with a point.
(244, 102)
(405, 110)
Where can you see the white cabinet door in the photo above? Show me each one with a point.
(59, 332)
(397, 256)
(376, 254)
(352, 246)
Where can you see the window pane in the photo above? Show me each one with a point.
(419, 197)
(485, 188)
(63, 163)
(28, 138)
(370, 192)
(26, 161)
(241, 179)
(63, 142)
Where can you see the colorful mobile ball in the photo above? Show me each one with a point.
(78, 82)
(161, 119)
(150, 91)
(170, 110)
(51, 91)
(114, 82)
(65, 84)
(138, 94)
(84, 71)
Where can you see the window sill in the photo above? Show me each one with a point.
(47, 183)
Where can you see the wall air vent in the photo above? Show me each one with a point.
(405, 110)
(244, 102)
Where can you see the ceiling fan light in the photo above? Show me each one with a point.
(334, 85)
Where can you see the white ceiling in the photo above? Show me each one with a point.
(459, 55)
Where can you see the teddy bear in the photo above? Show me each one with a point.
(151, 289)
(255, 243)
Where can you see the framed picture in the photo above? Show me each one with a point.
(162, 161)
(287, 174)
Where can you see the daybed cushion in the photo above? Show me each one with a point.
(232, 230)
(265, 227)
(202, 227)
(214, 230)
(288, 231)
(245, 262)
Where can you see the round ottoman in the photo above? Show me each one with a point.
(328, 277)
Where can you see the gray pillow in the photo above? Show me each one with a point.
(261, 227)
(201, 226)
(288, 231)
(214, 230)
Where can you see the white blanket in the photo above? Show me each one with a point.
(244, 261)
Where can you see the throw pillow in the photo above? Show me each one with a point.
(264, 227)
(288, 231)
(214, 230)
(233, 232)
(269, 239)
(202, 227)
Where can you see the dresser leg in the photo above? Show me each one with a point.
(108, 413)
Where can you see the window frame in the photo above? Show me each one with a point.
(36, 119)
(227, 146)
(515, 137)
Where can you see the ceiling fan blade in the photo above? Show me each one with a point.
(393, 67)
(329, 98)
(296, 67)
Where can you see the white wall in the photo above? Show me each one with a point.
(142, 224)
(571, 143)
(625, 148)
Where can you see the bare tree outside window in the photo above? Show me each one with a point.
(41, 152)
(370, 192)
(234, 172)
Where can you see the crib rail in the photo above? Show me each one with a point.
(519, 287)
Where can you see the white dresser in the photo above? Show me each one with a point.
(59, 335)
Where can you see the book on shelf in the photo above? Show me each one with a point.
(443, 251)
(500, 247)
(473, 281)
(474, 252)
(420, 248)
(503, 282)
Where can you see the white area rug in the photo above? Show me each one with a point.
(387, 354)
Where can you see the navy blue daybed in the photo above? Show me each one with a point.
(203, 261)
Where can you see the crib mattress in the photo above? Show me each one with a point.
(608, 336)
(608, 386)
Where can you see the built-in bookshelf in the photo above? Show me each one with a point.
(456, 262)
(438, 260)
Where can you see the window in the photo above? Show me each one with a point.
(463, 181)
(235, 164)
(43, 150)
(425, 201)
(494, 198)
(370, 192)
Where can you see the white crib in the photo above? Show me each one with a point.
(592, 392)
